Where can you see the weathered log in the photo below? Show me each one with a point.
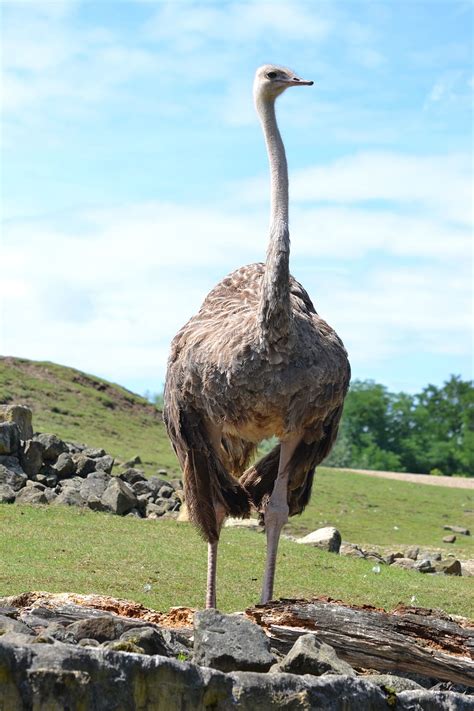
(409, 639)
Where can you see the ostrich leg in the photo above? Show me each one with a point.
(276, 514)
(212, 560)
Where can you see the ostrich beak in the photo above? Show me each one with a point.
(297, 81)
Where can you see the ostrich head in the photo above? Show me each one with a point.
(271, 80)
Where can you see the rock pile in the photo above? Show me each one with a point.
(43, 469)
(413, 558)
(78, 657)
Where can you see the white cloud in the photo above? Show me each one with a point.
(440, 184)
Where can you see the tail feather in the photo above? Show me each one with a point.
(206, 480)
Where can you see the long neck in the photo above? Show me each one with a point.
(274, 308)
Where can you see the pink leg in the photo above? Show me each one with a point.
(212, 561)
(276, 515)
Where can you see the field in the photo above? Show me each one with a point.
(69, 550)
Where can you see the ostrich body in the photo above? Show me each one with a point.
(254, 362)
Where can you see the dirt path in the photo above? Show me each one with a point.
(454, 482)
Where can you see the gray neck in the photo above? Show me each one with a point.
(274, 309)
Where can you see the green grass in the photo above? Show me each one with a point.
(67, 550)
(83, 408)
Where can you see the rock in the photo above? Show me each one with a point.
(391, 681)
(407, 563)
(391, 557)
(104, 463)
(412, 552)
(84, 465)
(94, 452)
(132, 476)
(122, 645)
(423, 565)
(65, 465)
(162, 472)
(327, 538)
(165, 492)
(141, 487)
(230, 643)
(458, 529)
(143, 501)
(7, 624)
(11, 473)
(21, 416)
(149, 639)
(7, 494)
(119, 497)
(94, 485)
(310, 656)
(429, 555)
(134, 460)
(467, 567)
(47, 477)
(85, 642)
(50, 495)
(95, 504)
(31, 457)
(102, 628)
(155, 484)
(250, 523)
(53, 446)
(449, 539)
(9, 438)
(448, 567)
(69, 497)
(155, 510)
(351, 550)
(135, 513)
(31, 495)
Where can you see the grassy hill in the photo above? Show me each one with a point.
(83, 408)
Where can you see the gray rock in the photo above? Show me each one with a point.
(230, 643)
(47, 478)
(310, 656)
(458, 529)
(9, 438)
(84, 465)
(327, 538)
(94, 452)
(449, 539)
(119, 497)
(21, 416)
(101, 628)
(165, 492)
(31, 495)
(155, 484)
(142, 487)
(149, 639)
(391, 557)
(94, 485)
(85, 642)
(95, 504)
(134, 460)
(411, 553)
(7, 494)
(423, 565)
(11, 473)
(53, 446)
(155, 510)
(69, 497)
(74, 482)
(351, 550)
(407, 563)
(105, 463)
(65, 465)
(429, 555)
(7, 624)
(31, 457)
(133, 476)
(433, 701)
(448, 567)
(391, 681)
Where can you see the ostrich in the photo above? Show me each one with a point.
(256, 361)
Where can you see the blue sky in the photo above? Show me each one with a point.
(135, 176)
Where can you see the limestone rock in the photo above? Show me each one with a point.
(119, 497)
(7, 624)
(391, 681)
(94, 452)
(412, 552)
(132, 476)
(21, 416)
(65, 465)
(94, 485)
(7, 494)
(149, 639)
(11, 473)
(423, 565)
(103, 628)
(104, 463)
(458, 529)
(310, 656)
(9, 438)
(53, 446)
(84, 464)
(31, 495)
(327, 538)
(31, 457)
(449, 539)
(230, 643)
(407, 563)
(69, 497)
(448, 567)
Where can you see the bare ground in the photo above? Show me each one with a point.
(453, 482)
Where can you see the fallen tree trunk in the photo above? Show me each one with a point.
(409, 639)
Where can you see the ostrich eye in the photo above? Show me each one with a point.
(271, 75)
